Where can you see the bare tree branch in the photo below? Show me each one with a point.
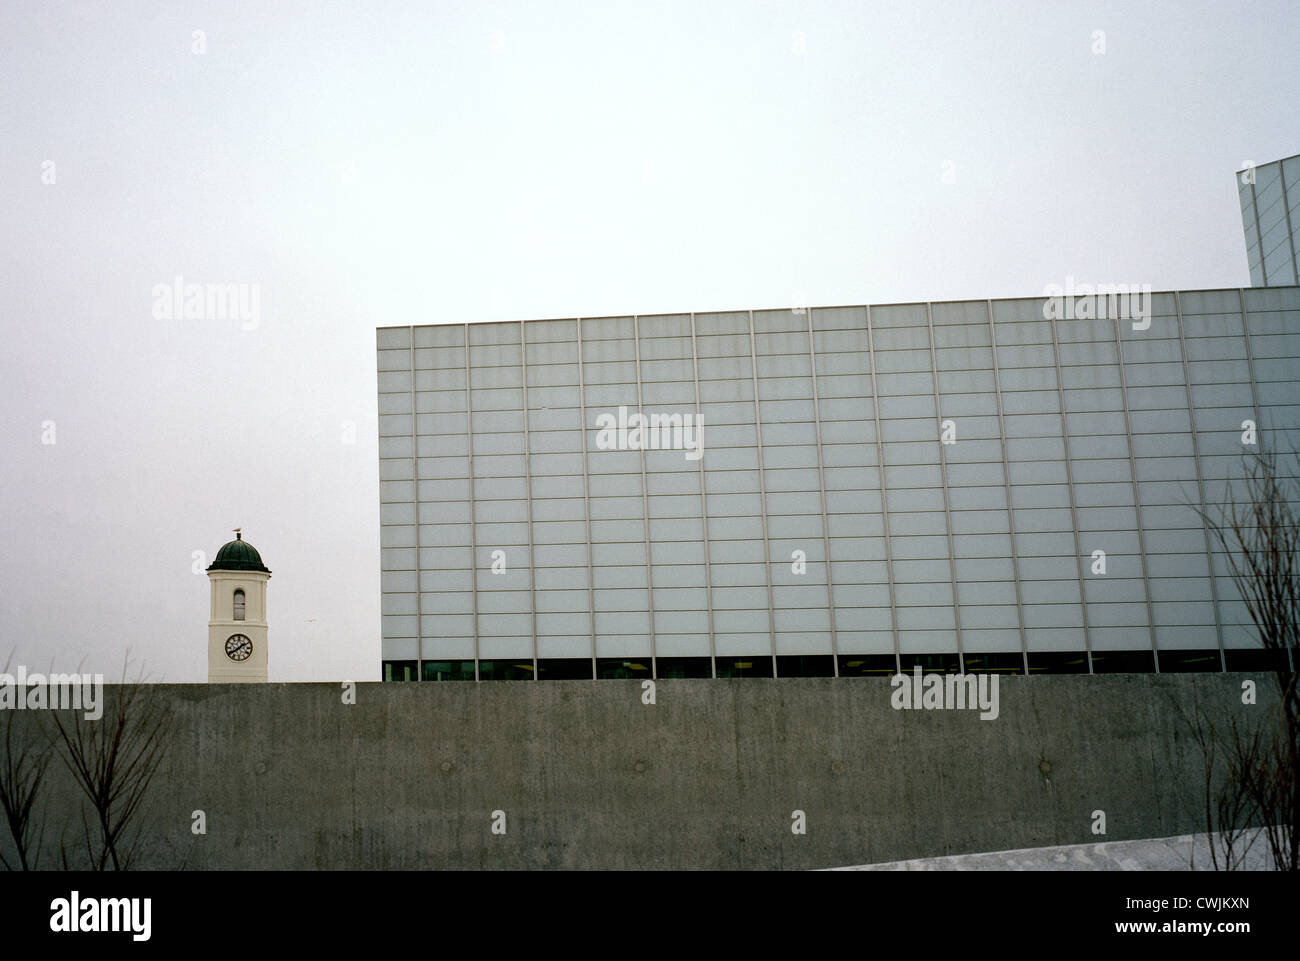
(114, 760)
(1253, 771)
(22, 772)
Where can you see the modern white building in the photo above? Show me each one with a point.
(1004, 485)
(1270, 214)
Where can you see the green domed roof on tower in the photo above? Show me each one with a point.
(238, 555)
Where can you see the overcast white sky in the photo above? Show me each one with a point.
(371, 164)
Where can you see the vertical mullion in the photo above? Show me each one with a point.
(1254, 388)
(1074, 510)
(1137, 496)
(528, 491)
(1254, 398)
(1259, 235)
(1200, 479)
(586, 498)
(947, 513)
(1286, 212)
(473, 525)
(645, 499)
(884, 500)
(1250, 359)
(821, 481)
(1006, 480)
(762, 493)
(415, 507)
(704, 502)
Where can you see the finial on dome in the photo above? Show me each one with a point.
(238, 535)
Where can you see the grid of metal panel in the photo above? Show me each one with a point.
(1270, 214)
(507, 532)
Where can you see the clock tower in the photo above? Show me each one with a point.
(237, 651)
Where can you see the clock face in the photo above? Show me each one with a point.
(239, 647)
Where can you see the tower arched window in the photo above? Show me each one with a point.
(239, 605)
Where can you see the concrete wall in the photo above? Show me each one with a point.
(707, 777)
